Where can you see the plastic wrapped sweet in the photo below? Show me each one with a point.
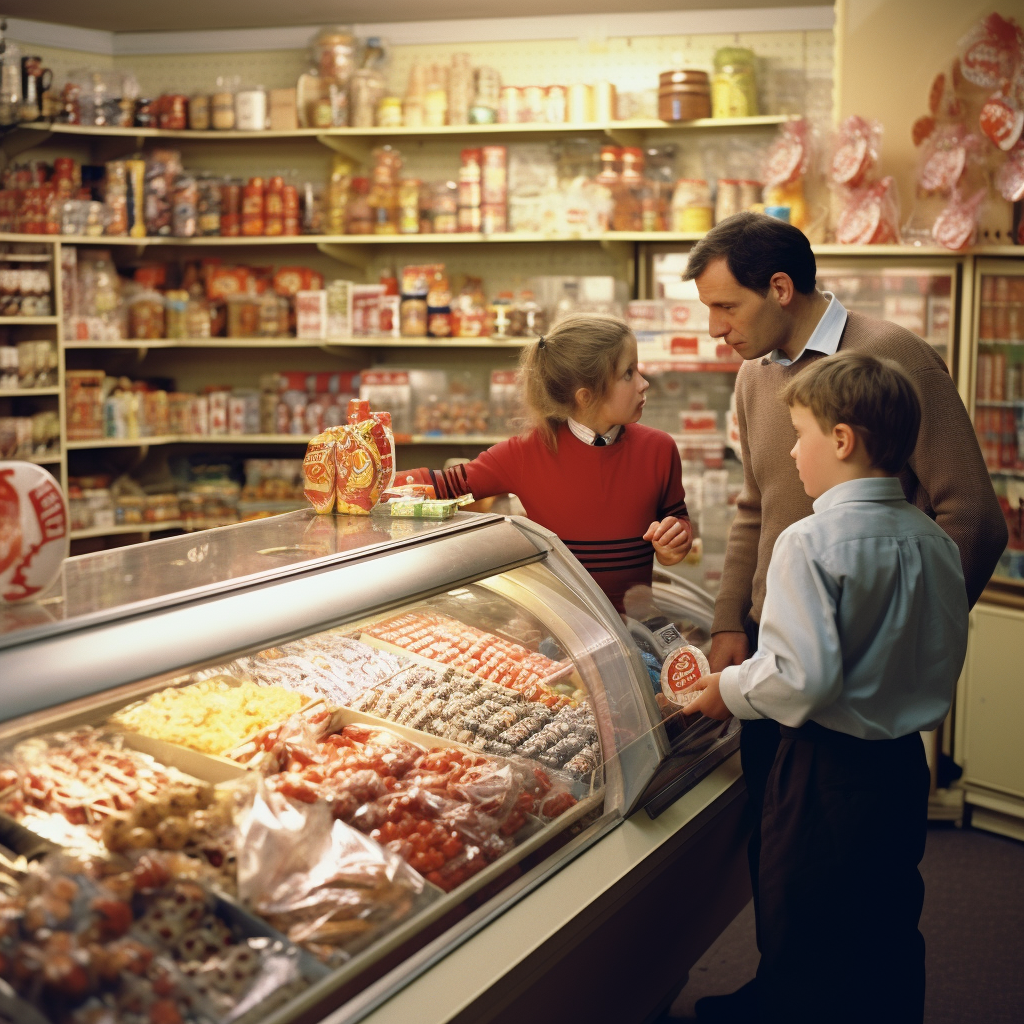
(319, 881)
(957, 226)
(855, 151)
(788, 157)
(213, 716)
(990, 54)
(870, 215)
(1009, 178)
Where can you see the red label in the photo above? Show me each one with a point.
(49, 506)
(683, 671)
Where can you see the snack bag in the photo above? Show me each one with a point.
(358, 477)
(789, 155)
(318, 473)
(990, 54)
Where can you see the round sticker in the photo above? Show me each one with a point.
(682, 668)
(33, 531)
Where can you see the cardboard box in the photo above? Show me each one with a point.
(284, 116)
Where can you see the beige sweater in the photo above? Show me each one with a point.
(946, 477)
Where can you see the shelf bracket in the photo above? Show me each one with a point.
(624, 136)
(19, 140)
(353, 149)
(357, 256)
(622, 251)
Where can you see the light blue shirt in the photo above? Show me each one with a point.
(864, 628)
(826, 336)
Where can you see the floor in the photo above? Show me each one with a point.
(973, 924)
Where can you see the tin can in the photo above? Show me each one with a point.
(556, 110)
(534, 108)
(199, 113)
(222, 107)
(510, 104)
(727, 201)
(580, 104)
(389, 112)
(251, 110)
(253, 207)
(470, 219)
(173, 114)
(750, 194)
(604, 102)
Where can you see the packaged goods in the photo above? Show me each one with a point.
(682, 668)
(311, 314)
(213, 716)
(855, 151)
(417, 508)
(957, 226)
(684, 95)
(734, 83)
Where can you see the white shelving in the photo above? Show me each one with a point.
(28, 392)
(480, 440)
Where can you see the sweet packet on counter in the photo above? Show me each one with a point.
(347, 468)
(420, 508)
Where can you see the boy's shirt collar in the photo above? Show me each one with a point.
(826, 336)
(588, 436)
(869, 488)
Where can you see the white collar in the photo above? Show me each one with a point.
(588, 436)
(826, 335)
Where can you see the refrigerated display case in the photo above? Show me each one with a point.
(998, 401)
(344, 745)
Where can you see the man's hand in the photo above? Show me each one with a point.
(709, 703)
(728, 649)
(672, 539)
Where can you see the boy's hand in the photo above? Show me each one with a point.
(672, 539)
(709, 703)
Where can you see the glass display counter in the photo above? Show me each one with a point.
(267, 765)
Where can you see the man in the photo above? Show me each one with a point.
(756, 275)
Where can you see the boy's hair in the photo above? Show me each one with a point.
(873, 396)
(581, 351)
(755, 247)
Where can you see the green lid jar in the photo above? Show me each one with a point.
(734, 83)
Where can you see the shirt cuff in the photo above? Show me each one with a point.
(732, 695)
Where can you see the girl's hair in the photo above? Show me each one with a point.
(581, 351)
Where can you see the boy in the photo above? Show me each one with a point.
(863, 635)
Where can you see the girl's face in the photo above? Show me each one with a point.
(624, 400)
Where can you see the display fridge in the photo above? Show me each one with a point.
(281, 771)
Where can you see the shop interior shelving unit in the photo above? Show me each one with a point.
(199, 361)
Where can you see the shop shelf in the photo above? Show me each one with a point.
(369, 342)
(296, 439)
(27, 321)
(119, 442)
(113, 531)
(28, 392)
(993, 404)
(606, 127)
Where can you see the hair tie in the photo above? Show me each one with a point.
(540, 341)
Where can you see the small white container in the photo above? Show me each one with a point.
(251, 110)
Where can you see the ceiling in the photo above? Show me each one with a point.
(198, 15)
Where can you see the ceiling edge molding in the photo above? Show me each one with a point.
(60, 37)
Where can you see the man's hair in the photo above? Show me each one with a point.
(873, 396)
(756, 247)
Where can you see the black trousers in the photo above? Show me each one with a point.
(840, 895)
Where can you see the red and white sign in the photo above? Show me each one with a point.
(33, 530)
(682, 668)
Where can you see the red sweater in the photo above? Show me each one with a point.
(599, 501)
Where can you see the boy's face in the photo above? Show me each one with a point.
(817, 459)
(624, 400)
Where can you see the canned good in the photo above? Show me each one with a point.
(604, 102)
(534, 104)
(173, 112)
(409, 206)
(727, 201)
(580, 104)
(469, 218)
(222, 107)
(199, 113)
(750, 194)
(231, 208)
(556, 109)
(494, 218)
(510, 104)
(253, 207)
(389, 112)
(251, 110)
(273, 207)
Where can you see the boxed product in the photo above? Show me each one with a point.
(365, 303)
(311, 314)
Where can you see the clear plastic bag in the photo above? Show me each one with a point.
(317, 880)
(957, 226)
(870, 215)
(854, 151)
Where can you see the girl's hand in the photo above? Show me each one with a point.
(672, 539)
(709, 703)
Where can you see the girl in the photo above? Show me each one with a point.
(610, 489)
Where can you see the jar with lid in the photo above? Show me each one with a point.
(365, 92)
(734, 83)
(184, 212)
(487, 97)
(176, 313)
(627, 213)
(273, 206)
(334, 48)
(338, 194)
(208, 206)
(231, 207)
(445, 208)
(409, 206)
(500, 315)
(684, 95)
(251, 109)
(389, 112)
(692, 212)
(243, 316)
(413, 317)
(253, 221)
(146, 315)
(359, 214)
(313, 209)
(727, 199)
(199, 112)
(197, 319)
(222, 103)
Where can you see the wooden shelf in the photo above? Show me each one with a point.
(41, 460)
(372, 342)
(114, 531)
(525, 129)
(28, 392)
(27, 321)
(284, 439)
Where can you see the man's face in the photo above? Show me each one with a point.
(752, 324)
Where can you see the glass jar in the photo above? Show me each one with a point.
(413, 317)
(445, 208)
(146, 316)
(692, 211)
(334, 49)
(176, 315)
(231, 208)
(366, 90)
(208, 208)
(409, 206)
(734, 83)
(359, 215)
(252, 207)
(273, 207)
(389, 112)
